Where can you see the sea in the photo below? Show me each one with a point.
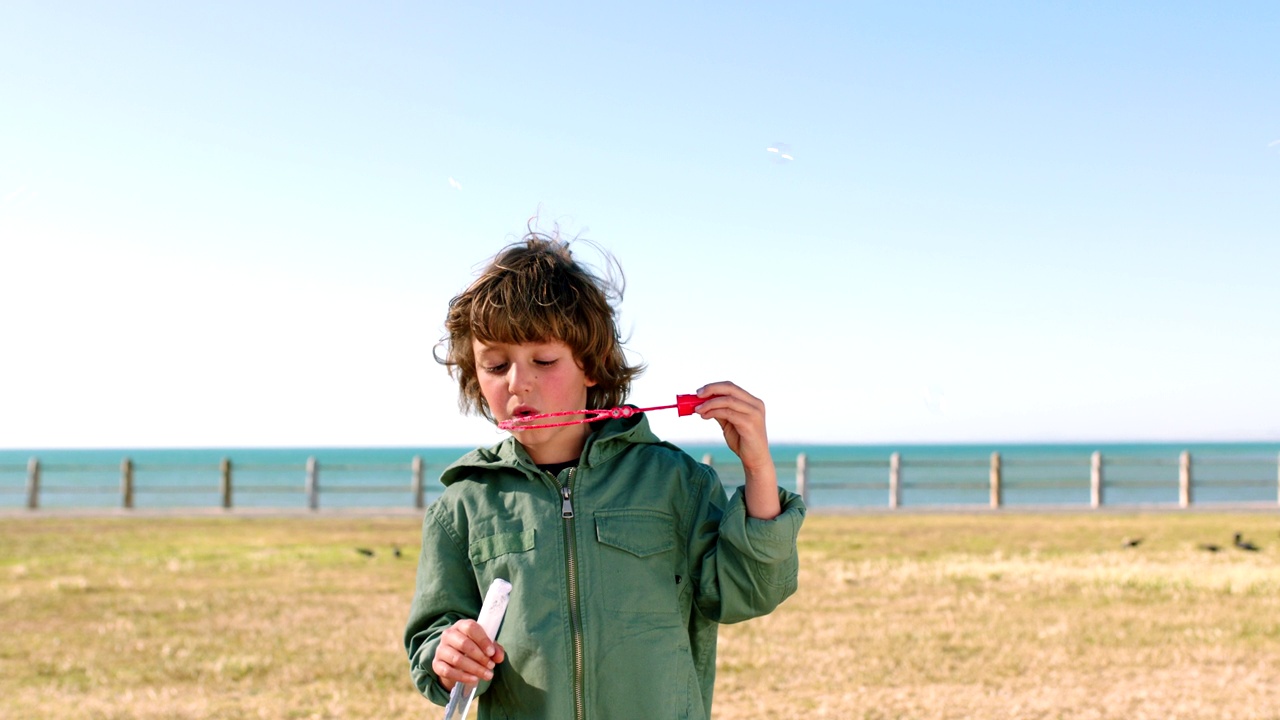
(836, 477)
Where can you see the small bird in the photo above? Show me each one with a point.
(1210, 547)
(395, 550)
(1132, 542)
(1245, 544)
(365, 552)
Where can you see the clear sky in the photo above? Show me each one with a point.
(239, 223)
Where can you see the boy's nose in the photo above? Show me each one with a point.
(518, 379)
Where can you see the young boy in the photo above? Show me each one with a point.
(624, 553)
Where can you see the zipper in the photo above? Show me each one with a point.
(575, 612)
(566, 502)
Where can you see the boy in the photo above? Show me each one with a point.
(623, 552)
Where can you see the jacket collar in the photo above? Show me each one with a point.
(606, 440)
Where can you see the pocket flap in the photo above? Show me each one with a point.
(488, 548)
(639, 532)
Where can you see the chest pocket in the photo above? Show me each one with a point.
(487, 548)
(638, 560)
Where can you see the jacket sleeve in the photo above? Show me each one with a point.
(745, 567)
(445, 592)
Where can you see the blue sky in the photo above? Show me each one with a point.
(240, 223)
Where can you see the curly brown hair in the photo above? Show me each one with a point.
(534, 291)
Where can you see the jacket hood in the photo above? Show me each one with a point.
(606, 440)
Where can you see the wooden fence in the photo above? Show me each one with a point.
(986, 476)
(227, 488)
(995, 483)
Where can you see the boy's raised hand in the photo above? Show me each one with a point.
(741, 418)
(465, 655)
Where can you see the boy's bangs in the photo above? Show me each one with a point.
(493, 323)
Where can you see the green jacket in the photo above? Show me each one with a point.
(622, 569)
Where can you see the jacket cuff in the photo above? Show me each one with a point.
(425, 679)
(428, 684)
(765, 541)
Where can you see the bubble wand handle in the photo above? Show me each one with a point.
(491, 614)
(684, 403)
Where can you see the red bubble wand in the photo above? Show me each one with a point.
(685, 404)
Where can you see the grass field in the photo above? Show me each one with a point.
(984, 615)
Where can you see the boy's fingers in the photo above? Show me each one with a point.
(466, 654)
(468, 635)
(476, 634)
(724, 387)
(455, 665)
(731, 394)
(466, 646)
(469, 658)
(737, 416)
(721, 387)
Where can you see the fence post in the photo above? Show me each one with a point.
(895, 481)
(802, 477)
(1095, 480)
(1184, 479)
(33, 483)
(418, 500)
(313, 484)
(996, 492)
(126, 483)
(225, 485)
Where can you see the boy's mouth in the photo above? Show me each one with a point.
(518, 417)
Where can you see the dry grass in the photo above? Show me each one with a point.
(899, 616)
(1019, 616)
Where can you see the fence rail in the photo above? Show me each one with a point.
(956, 475)
(225, 486)
(996, 484)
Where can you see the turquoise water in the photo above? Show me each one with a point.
(852, 476)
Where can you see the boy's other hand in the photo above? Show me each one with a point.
(741, 418)
(465, 655)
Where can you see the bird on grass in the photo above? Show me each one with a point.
(1210, 547)
(1132, 542)
(365, 552)
(1245, 544)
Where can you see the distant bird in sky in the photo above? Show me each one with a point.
(781, 152)
(1245, 544)
(1132, 542)
(365, 552)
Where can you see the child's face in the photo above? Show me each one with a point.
(533, 378)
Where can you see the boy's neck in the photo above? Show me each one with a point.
(564, 447)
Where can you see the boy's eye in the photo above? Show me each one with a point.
(499, 368)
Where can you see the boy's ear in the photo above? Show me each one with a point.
(591, 382)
